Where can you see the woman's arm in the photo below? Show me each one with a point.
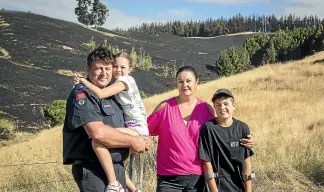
(154, 120)
(247, 170)
(210, 181)
(111, 90)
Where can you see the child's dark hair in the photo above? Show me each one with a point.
(187, 68)
(125, 55)
(100, 53)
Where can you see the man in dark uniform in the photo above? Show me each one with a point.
(90, 118)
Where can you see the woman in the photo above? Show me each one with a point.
(177, 122)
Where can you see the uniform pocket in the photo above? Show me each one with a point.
(107, 108)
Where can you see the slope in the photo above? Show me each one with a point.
(39, 54)
(281, 103)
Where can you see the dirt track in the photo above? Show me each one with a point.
(34, 48)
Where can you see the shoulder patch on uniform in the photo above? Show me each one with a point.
(81, 98)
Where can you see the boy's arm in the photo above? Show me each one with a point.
(247, 170)
(208, 169)
(111, 90)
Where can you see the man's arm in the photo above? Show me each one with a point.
(247, 171)
(208, 169)
(113, 138)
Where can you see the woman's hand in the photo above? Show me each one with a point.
(248, 142)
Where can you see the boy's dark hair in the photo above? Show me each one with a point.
(100, 53)
(187, 68)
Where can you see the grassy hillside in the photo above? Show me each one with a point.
(38, 55)
(282, 104)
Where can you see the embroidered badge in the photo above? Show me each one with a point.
(80, 98)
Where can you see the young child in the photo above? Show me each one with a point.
(127, 94)
(227, 165)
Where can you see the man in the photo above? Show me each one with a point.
(90, 118)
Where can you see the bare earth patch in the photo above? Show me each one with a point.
(28, 65)
(107, 34)
(69, 73)
(67, 48)
(5, 54)
(4, 24)
(233, 34)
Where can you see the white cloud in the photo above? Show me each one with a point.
(64, 9)
(302, 8)
(228, 1)
(118, 19)
(61, 9)
(179, 13)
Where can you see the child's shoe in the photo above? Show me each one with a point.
(114, 188)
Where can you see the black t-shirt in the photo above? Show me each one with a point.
(221, 146)
(83, 107)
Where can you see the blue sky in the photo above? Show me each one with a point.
(125, 13)
(188, 9)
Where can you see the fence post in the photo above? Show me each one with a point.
(136, 169)
(132, 168)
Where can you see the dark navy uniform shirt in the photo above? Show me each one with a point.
(221, 146)
(83, 107)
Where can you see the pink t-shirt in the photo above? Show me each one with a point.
(177, 152)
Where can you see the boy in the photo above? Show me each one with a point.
(226, 164)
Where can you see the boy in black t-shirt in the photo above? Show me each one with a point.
(227, 165)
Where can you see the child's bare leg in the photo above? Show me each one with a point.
(129, 184)
(105, 160)
(128, 131)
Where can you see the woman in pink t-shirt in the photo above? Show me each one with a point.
(177, 122)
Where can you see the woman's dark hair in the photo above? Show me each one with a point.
(187, 68)
(100, 53)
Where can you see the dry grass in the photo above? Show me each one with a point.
(232, 34)
(282, 104)
(70, 73)
(107, 33)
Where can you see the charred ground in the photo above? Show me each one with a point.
(38, 54)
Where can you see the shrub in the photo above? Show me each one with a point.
(144, 95)
(7, 128)
(55, 113)
(90, 45)
(232, 61)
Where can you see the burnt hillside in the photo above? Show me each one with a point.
(38, 54)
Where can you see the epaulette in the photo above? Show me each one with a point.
(82, 88)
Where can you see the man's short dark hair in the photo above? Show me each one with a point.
(100, 53)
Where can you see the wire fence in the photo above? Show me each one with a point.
(28, 185)
(72, 185)
(34, 185)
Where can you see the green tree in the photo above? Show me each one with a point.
(99, 13)
(55, 113)
(270, 54)
(82, 11)
(232, 61)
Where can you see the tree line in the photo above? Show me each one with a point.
(222, 26)
(263, 48)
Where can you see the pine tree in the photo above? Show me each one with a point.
(99, 13)
(82, 11)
